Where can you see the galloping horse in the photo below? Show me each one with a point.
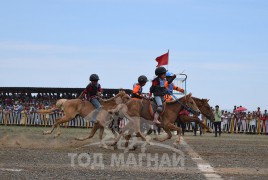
(136, 109)
(204, 108)
(74, 107)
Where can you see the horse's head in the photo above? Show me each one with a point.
(190, 103)
(206, 109)
(122, 97)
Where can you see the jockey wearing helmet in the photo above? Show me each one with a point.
(92, 93)
(170, 87)
(158, 89)
(137, 87)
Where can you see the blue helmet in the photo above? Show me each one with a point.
(169, 74)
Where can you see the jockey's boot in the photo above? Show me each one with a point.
(156, 116)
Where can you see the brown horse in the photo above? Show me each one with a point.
(136, 109)
(204, 108)
(74, 107)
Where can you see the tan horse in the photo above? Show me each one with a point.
(136, 109)
(74, 107)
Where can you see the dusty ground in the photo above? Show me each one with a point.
(27, 154)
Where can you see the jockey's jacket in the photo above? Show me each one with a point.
(170, 88)
(137, 91)
(91, 91)
(158, 87)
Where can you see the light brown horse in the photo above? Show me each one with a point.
(136, 109)
(75, 107)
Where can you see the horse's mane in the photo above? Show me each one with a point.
(195, 98)
(112, 98)
(199, 100)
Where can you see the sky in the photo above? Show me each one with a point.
(222, 45)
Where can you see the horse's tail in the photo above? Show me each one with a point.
(59, 104)
(45, 111)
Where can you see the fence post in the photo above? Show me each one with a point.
(45, 119)
(5, 118)
(232, 126)
(87, 122)
(25, 118)
(259, 126)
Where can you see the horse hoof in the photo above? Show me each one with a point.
(103, 146)
(56, 135)
(148, 138)
(133, 148)
(79, 139)
(46, 132)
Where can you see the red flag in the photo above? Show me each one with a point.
(162, 60)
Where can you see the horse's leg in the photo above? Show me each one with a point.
(96, 126)
(149, 132)
(58, 131)
(143, 137)
(124, 129)
(102, 144)
(52, 129)
(204, 126)
(168, 128)
(127, 138)
(64, 119)
(196, 120)
(136, 127)
(56, 124)
(168, 136)
(172, 127)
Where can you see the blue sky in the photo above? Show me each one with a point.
(222, 45)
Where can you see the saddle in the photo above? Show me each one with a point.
(184, 112)
(153, 107)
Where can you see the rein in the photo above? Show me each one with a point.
(186, 107)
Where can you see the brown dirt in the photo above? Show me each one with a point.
(27, 154)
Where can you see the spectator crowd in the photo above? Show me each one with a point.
(20, 108)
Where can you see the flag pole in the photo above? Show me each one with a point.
(168, 59)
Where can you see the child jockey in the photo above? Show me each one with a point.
(170, 87)
(136, 93)
(137, 87)
(92, 93)
(158, 89)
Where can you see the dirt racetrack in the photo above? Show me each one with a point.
(27, 154)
